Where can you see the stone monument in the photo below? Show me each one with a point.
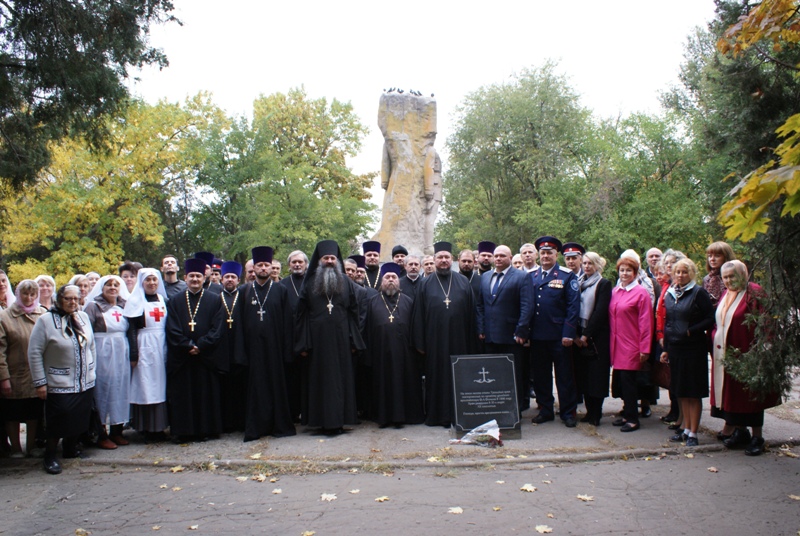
(411, 172)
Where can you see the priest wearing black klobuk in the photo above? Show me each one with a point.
(443, 325)
(327, 337)
(395, 368)
(230, 364)
(265, 342)
(195, 320)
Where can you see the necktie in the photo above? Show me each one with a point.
(497, 283)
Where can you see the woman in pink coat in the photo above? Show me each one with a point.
(631, 318)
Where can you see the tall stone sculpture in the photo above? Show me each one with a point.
(411, 172)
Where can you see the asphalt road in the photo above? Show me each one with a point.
(669, 495)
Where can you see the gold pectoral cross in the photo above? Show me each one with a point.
(230, 323)
(192, 324)
(391, 318)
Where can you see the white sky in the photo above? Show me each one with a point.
(617, 54)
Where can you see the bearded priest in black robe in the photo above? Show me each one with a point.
(327, 336)
(265, 342)
(395, 368)
(230, 363)
(195, 319)
(443, 325)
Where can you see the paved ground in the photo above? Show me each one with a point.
(640, 483)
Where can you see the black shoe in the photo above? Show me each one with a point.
(51, 465)
(692, 442)
(675, 426)
(570, 422)
(679, 438)
(756, 447)
(629, 427)
(645, 412)
(74, 453)
(739, 438)
(619, 422)
(669, 417)
(722, 437)
(541, 419)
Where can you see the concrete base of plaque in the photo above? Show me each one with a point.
(484, 389)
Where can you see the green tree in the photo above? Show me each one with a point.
(62, 70)
(90, 210)
(282, 179)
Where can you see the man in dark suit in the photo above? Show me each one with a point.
(556, 311)
(504, 314)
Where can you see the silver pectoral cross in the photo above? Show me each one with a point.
(261, 314)
(330, 308)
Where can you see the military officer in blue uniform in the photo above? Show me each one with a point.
(555, 315)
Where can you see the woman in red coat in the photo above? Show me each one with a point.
(739, 407)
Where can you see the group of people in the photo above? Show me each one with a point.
(238, 348)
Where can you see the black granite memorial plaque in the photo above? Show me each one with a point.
(484, 389)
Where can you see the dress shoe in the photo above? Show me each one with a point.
(105, 444)
(629, 427)
(646, 412)
(755, 447)
(570, 422)
(119, 440)
(75, 453)
(692, 442)
(669, 417)
(679, 437)
(739, 438)
(541, 419)
(619, 422)
(51, 465)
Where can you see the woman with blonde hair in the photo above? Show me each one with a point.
(47, 286)
(717, 254)
(689, 314)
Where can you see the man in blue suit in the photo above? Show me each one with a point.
(556, 311)
(504, 314)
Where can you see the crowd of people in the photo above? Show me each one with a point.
(232, 348)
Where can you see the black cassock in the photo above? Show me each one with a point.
(328, 336)
(193, 390)
(266, 346)
(441, 330)
(395, 368)
(293, 370)
(232, 366)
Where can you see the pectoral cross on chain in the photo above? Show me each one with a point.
(192, 324)
(330, 308)
(391, 318)
(261, 314)
(447, 302)
(230, 323)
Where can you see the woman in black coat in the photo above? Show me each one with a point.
(592, 354)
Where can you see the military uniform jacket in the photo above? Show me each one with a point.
(556, 304)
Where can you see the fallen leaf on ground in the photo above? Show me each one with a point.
(260, 477)
(713, 470)
(375, 450)
(211, 466)
(499, 481)
(388, 473)
(354, 491)
(795, 497)
(177, 488)
(550, 516)
(547, 481)
(328, 497)
(274, 479)
(404, 439)
(455, 510)
(521, 456)
(194, 527)
(541, 466)
(586, 498)
(354, 470)
(530, 488)
(277, 491)
(82, 532)
(382, 499)
(241, 479)
(789, 453)
(176, 469)
(163, 486)
(496, 508)
(156, 527)
(434, 459)
(543, 529)
(308, 533)
(256, 456)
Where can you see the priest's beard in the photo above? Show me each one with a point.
(390, 289)
(329, 280)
